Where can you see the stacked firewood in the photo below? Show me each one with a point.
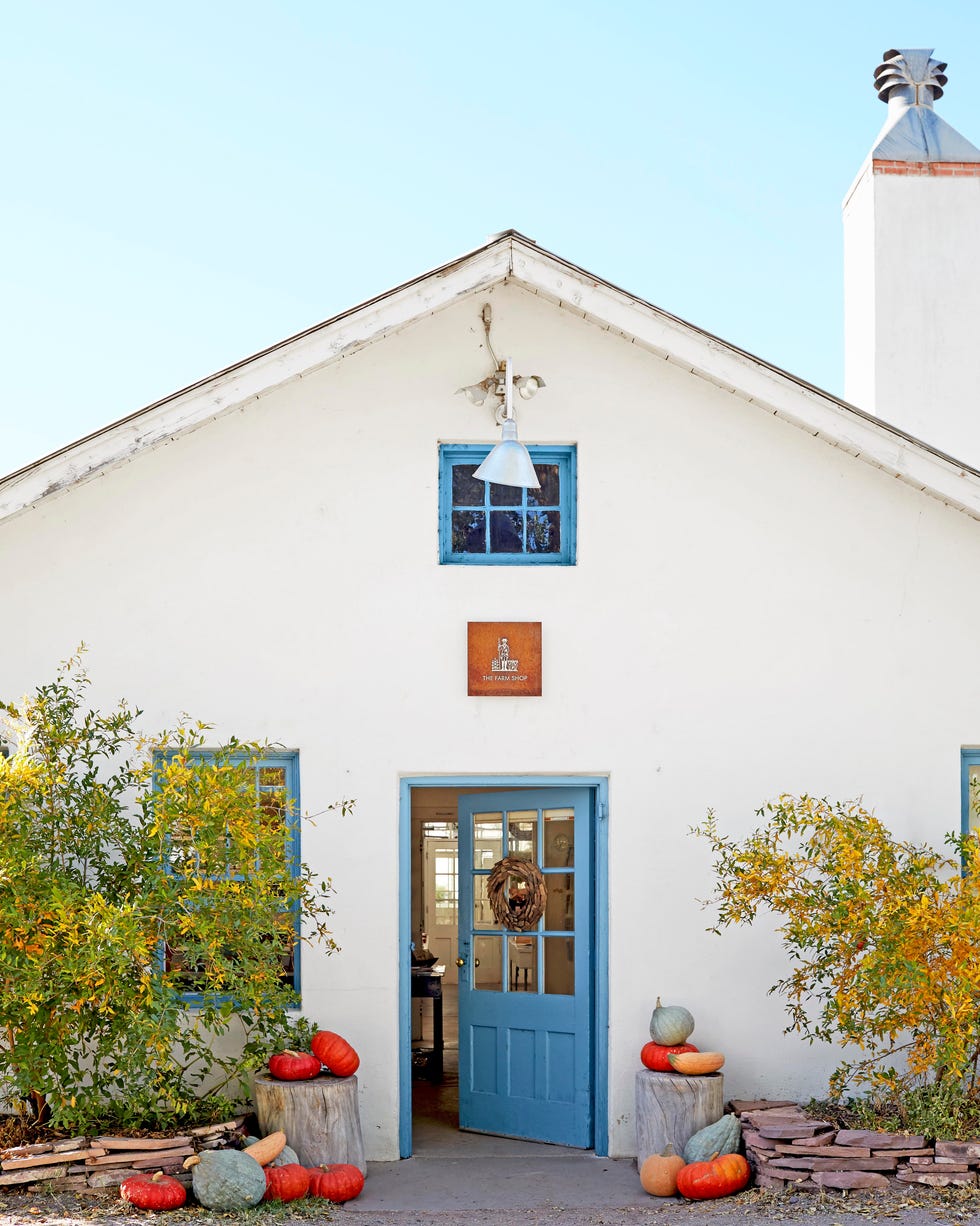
(785, 1146)
(79, 1163)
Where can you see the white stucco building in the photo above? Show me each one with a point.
(744, 586)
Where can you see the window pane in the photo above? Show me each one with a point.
(559, 841)
(974, 773)
(445, 882)
(272, 776)
(559, 910)
(506, 495)
(522, 959)
(483, 916)
(469, 532)
(548, 494)
(559, 966)
(487, 964)
(506, 532)
(543, 532)
(522, 835)
(488, 839)
(467, 492)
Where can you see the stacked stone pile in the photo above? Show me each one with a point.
(79, 1163)
(784, 1146)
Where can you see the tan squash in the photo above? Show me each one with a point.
(695, 1063)
(658, 1174)
(268, 1148)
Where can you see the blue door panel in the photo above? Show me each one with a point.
(526, 1053)
(559, 1067)
(483, 1059)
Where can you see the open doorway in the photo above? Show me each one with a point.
(434, 980)
(528, 1059)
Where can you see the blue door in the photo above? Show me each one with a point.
(526, 997)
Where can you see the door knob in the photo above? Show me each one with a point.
(460, 961)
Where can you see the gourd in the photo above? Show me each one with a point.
(696, 1063)
(226, 1179)
(267, 1148)
(338, 1182)
(294, 1066)
(722, 1137)
(670, 1024)
(158, 1191)
(655, 1055)
(336, 1053)
(287, 1155)
(289, 1182)
(659, 1172)
(718, 1177)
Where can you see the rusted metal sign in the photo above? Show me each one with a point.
(504, 658)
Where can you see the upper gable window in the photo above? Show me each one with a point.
(501, 525)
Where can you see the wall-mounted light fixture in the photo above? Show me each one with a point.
(509, 463)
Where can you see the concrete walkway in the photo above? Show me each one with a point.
(480, 1172)
(470, 1179)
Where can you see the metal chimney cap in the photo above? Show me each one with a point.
(910, 69)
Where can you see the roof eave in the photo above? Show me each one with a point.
(508, 256)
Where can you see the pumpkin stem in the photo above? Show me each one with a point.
(193, 1160)
(668, 1151)
(658, 1004)
(158, 1176)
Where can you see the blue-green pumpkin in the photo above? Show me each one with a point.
(724, 1136)
(670, 1025)
(226, 1179)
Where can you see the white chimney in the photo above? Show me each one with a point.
(912, 267)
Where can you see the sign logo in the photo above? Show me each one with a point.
(504, 658)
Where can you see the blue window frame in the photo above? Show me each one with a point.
(277, 790)
(969, 770)
(499, 525)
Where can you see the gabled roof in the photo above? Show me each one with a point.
(508, 257)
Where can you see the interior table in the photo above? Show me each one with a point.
(427, 984)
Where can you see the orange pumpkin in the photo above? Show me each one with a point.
(289, 1182)
(696, 1063)
(720, 1176)
(335, 1053)
(656, 1055)
(338, 1182)
(659, 1172)
(147, 1191)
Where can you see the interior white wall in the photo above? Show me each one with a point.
(753, 611)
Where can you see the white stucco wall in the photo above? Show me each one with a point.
(912, 299)
(753, 611)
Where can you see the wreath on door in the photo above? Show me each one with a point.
(517, 893)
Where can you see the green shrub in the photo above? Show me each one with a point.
(880, 933)
(126, 866)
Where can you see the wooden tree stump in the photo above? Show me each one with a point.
(672, 1107)
(320, 1118)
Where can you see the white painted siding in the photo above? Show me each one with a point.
(912, 299)
(752, 611)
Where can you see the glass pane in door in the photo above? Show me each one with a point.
(559, 843)
(559, 910)
(488, 839)
(522, 959)
(522, 835)
(487, 964)
(559, 966)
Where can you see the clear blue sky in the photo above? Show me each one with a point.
(187, 183)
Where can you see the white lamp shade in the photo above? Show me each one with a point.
(510, 462)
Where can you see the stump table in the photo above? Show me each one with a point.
(320, 1117)
(672, 1107)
